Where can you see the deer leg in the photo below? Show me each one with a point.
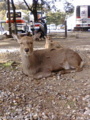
(42, 75)
(78, 69)
(67, 71)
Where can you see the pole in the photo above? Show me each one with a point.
(9, 18)
(65, 28)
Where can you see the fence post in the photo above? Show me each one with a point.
(65, 28)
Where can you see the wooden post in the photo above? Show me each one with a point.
(65, 28)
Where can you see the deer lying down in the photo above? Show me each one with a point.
(41, 63)
(51, 44)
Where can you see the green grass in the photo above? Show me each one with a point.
(7, 64)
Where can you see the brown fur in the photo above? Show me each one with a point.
(41, 63)
(50, 44)
(37, 36)
(21, 35)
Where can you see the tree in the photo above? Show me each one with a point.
(56, 17)
(2, 6)
(33, 8)
(14, 15)
(48, 5)
(69, 8)
(41, 4)
(36, 5)
(21, 5)
(9, 24)
(9, 16)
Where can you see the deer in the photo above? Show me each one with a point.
(42, 63)
(50, 44)
(37, 36)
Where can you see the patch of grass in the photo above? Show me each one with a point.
(8, 64)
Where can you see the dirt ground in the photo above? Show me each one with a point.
(59, 97)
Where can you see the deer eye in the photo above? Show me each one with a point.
(31, 43)
(21, 43)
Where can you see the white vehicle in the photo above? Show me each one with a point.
(71, 23)
(61, 26)
(80, 19)
(2, 31)
(82, 13)
(48, 27)
(20, 20)
(53, 27)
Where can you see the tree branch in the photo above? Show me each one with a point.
(27, 5)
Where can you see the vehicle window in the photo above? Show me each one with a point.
(18, 14)
(89, 11)
(78, 12)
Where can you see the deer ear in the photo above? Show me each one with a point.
(16, 37)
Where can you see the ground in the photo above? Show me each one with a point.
(59, 97)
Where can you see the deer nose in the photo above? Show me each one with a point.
(26, 49)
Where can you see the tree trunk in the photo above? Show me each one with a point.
(9, 18)
(14, 16)
(34, 10)
(35, 15)
(35, 2)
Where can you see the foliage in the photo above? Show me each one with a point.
(69, 8)
(21, 5)
(56, 17)
(33, 8)
(49, 5)
(2, 15)
(44, 4)
(27, 14)
(2, 6)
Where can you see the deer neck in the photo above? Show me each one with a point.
(47, 41)
(28, 61)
